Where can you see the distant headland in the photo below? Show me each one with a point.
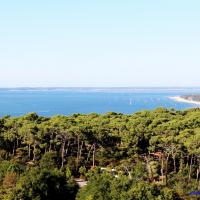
(193, 99)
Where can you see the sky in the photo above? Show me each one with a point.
(105, 43)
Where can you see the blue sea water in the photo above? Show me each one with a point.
(67, 101)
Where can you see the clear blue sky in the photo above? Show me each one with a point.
(99, 43)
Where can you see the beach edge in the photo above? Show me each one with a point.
(183, 100)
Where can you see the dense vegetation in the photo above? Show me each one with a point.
(147, 155)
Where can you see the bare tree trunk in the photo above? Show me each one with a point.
(50, 146)
(174, 161)
(13, 153)
(93, 157)
(89, 153)
(198, 181)
(174, 164)
(199, 185)
(34, 148)
(149, 169)
(187, 164)
(63, 153)
(181, 163)
(78, 151)
(162, 169)
(166, 170)
(29, 151)
(190, 170)
(68, 144)
(17, 143)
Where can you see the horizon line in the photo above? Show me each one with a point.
(101, 87)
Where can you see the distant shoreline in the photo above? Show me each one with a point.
(183, 100)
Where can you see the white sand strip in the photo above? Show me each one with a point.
(181, 99)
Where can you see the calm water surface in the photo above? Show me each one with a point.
(48, 102)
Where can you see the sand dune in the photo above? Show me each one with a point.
(181, 99)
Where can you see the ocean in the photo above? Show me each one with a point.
(67, 101)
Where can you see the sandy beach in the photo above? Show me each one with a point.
(180, 99)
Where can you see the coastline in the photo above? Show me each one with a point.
(181, 99)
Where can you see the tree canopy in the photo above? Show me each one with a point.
(147, 155)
